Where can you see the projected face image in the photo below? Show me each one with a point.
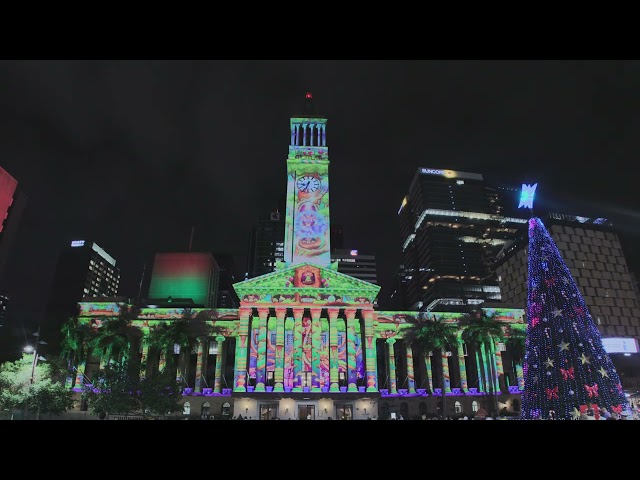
(310, 227)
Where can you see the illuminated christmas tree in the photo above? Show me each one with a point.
(566, 368)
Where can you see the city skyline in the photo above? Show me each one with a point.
(149, 149)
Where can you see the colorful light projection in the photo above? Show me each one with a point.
(90, 309)
(307, 212)
(183, 275)
(566, 367)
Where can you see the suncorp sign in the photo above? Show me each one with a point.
(450, 173)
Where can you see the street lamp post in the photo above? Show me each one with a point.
(34, 363)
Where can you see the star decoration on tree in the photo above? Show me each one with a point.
(603, 372)
(563, 346)
(575, 414)
(549, 363)
(585, 359)
(557, 313)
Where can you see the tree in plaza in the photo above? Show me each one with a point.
(75, 339)
(117, 337)
(566, 367)
(183, 332)
(45, 395)
(116, 391)
(432, 335)
(482, 331)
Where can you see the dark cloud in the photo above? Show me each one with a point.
(134, 153)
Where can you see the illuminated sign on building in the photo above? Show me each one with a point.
(77, 243)
(450, 173)
(354, 253)
(620, 344)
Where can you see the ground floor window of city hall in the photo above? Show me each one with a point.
(268, 411)
(344, 412)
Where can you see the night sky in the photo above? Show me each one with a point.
(133, 153)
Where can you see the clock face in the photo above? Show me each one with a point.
(308, 184)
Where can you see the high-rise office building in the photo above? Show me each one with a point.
(452, 228)
(84, 269)
(591, 249)
(356, 264)
(184, 278)
(227, 297)
(266, 244)
(12, 204)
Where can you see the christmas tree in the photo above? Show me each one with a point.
(566, 368)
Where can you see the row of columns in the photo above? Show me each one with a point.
(485, 371)
(312, 343)
(320, 134)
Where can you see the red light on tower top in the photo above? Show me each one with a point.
(308, 95)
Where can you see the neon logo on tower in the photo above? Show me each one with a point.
(77, 243)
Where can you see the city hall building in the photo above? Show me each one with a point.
(306, 342)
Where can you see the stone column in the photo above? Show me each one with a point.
(520, 376)
(241, 350)
(293, 135)
(352, 364)
(499, 368)
(143, 358)
(333, 349)
(324, 135)
(316, 332)
(445, 371)
(311, 129)
(261, 363)
(429, 370)
(217, 381)
(304, 134)
(462, 365)
(199, 363)
(279, 371)
(392, 366)
(410, 373)
(370, 350)
(297, 349)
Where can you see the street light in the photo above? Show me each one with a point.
(36, 357)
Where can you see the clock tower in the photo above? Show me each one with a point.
(306, 238)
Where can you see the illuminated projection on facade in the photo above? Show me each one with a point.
(307, 222)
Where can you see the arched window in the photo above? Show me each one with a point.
(474, 406)
(422, 408)
(516, 405)
(384, 411)
(186, 408)
(404, 410)
(457, 407)
(226, 409)
(206, 410)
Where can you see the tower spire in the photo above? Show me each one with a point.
(309, 110)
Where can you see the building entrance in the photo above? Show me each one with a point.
(306, 412)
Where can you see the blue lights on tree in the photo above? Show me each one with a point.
(566, 368)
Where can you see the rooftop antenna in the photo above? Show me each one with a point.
(144, 267)
(191, 238)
